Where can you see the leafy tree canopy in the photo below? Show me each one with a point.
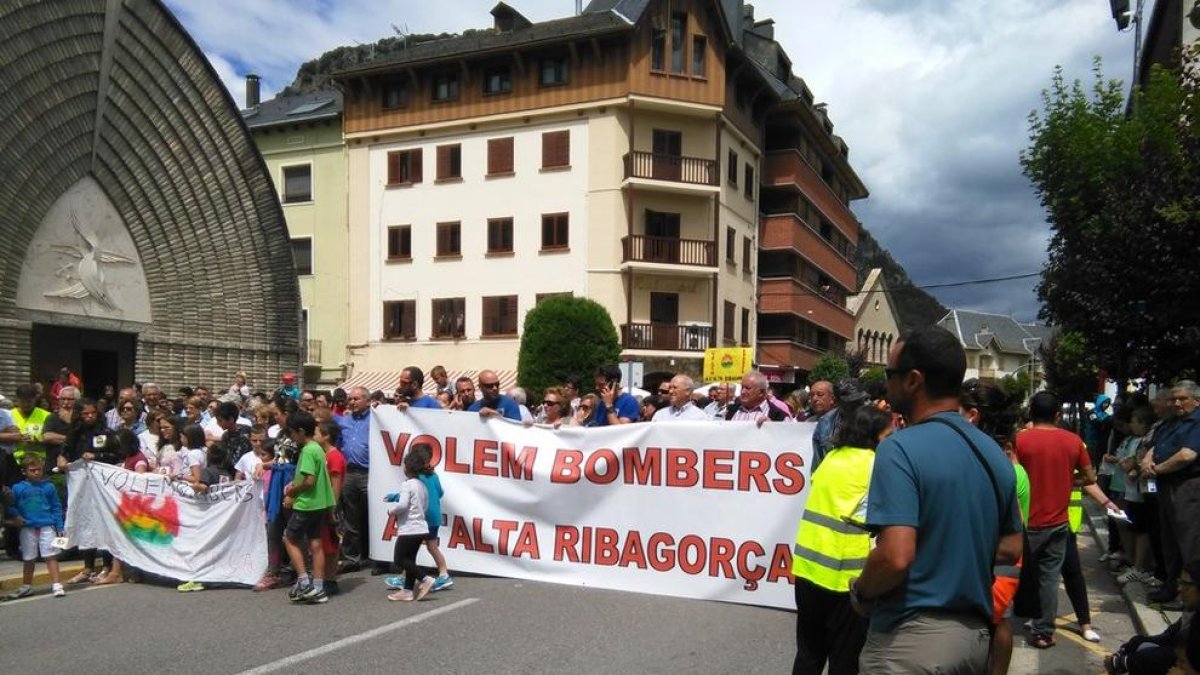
(831, 366)
(565, 336)
(1121, 190)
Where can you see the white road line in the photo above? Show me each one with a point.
(354, 639)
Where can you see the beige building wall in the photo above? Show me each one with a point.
(325, 292)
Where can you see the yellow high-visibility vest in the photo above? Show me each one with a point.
(1075, 509)
(32, 425)
(830, 552)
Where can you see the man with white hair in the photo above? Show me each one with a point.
(681, 408)
(1174, 463)
(518, 394)
(752, 404)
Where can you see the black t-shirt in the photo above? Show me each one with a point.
(55, 425)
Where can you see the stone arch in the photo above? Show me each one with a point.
(116, 92)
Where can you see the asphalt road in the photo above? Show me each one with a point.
(482, 625)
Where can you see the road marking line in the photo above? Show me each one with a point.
(354, 639)
(1084, 643)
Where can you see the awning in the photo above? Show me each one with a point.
(386, 380)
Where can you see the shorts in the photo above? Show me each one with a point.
(306, 524)
(1004, 590)
(433, 533)
(37, 540)
(329, 539)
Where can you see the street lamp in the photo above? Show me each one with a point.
(1123, 17)
(1033, 361)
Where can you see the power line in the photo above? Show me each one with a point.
(948, 284)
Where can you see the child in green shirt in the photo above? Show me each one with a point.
(310, 497)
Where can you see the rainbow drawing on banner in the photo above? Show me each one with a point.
(144, 520)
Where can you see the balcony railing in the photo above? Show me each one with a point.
(669, 250)
(666, 337)
(674, 168)
(313, 352)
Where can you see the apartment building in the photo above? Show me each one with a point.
(300, 139)
(591, 155)
(657, 157)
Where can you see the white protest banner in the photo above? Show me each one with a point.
(690, 509)
(162, 527)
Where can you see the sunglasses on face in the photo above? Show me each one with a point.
(127, 408)
(488, 385)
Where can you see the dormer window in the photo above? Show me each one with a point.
(445, 87)
(497, 81)
(552, 71)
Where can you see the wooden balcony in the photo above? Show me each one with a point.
(792, 297)
(788, 231)
(669, 250)
(667, 337)
(672, 168)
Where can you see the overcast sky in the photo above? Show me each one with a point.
(932, 97)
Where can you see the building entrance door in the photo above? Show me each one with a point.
(100, 358)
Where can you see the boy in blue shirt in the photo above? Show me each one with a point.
(39, 514)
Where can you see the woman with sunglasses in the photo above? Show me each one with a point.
(130, 415)
(585, 415)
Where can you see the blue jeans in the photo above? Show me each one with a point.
(1045, 550)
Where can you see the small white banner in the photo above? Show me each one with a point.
(162, 527)
(690, 509)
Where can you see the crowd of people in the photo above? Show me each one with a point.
(927, 531)
(937, 510)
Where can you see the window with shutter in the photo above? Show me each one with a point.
(555, 231)
(297, 183)
(302, 255)
(556, 149)
(500, 315)
(404, 167)
(449, 162)
(745, 327)
(730, 245)
(727, 321)
(449, 240)
(400, 320)
(449, 317)
(400, 242)
(500, 156)
(500, 235)
(747, 252)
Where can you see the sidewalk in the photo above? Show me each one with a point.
(1148, 619)
(10, 573)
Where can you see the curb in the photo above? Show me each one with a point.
(41, 577)
(1146, 619)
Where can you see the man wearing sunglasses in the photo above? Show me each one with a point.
(491, 402)
(943, 505)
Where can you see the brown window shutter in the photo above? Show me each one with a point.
(408, 319)
(500, 155)
(510, 315)
(393, 167)
(556, 148)
(443, 162)
(414, 171)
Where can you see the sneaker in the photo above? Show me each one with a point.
(395, 583)
(58, 591)
(190, 587)
(401, 596)
(1106, 556)
(298, 591)
(332, 588)
(22, 592)
(314, 596)
(1152, 581)
(424, 587)
(1091, 635)
(442, 582)
(267, 583)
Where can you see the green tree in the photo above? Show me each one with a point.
(831, 366)
(1070, 367)
(1016, 386)
(565, 336)
(1120, 188)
